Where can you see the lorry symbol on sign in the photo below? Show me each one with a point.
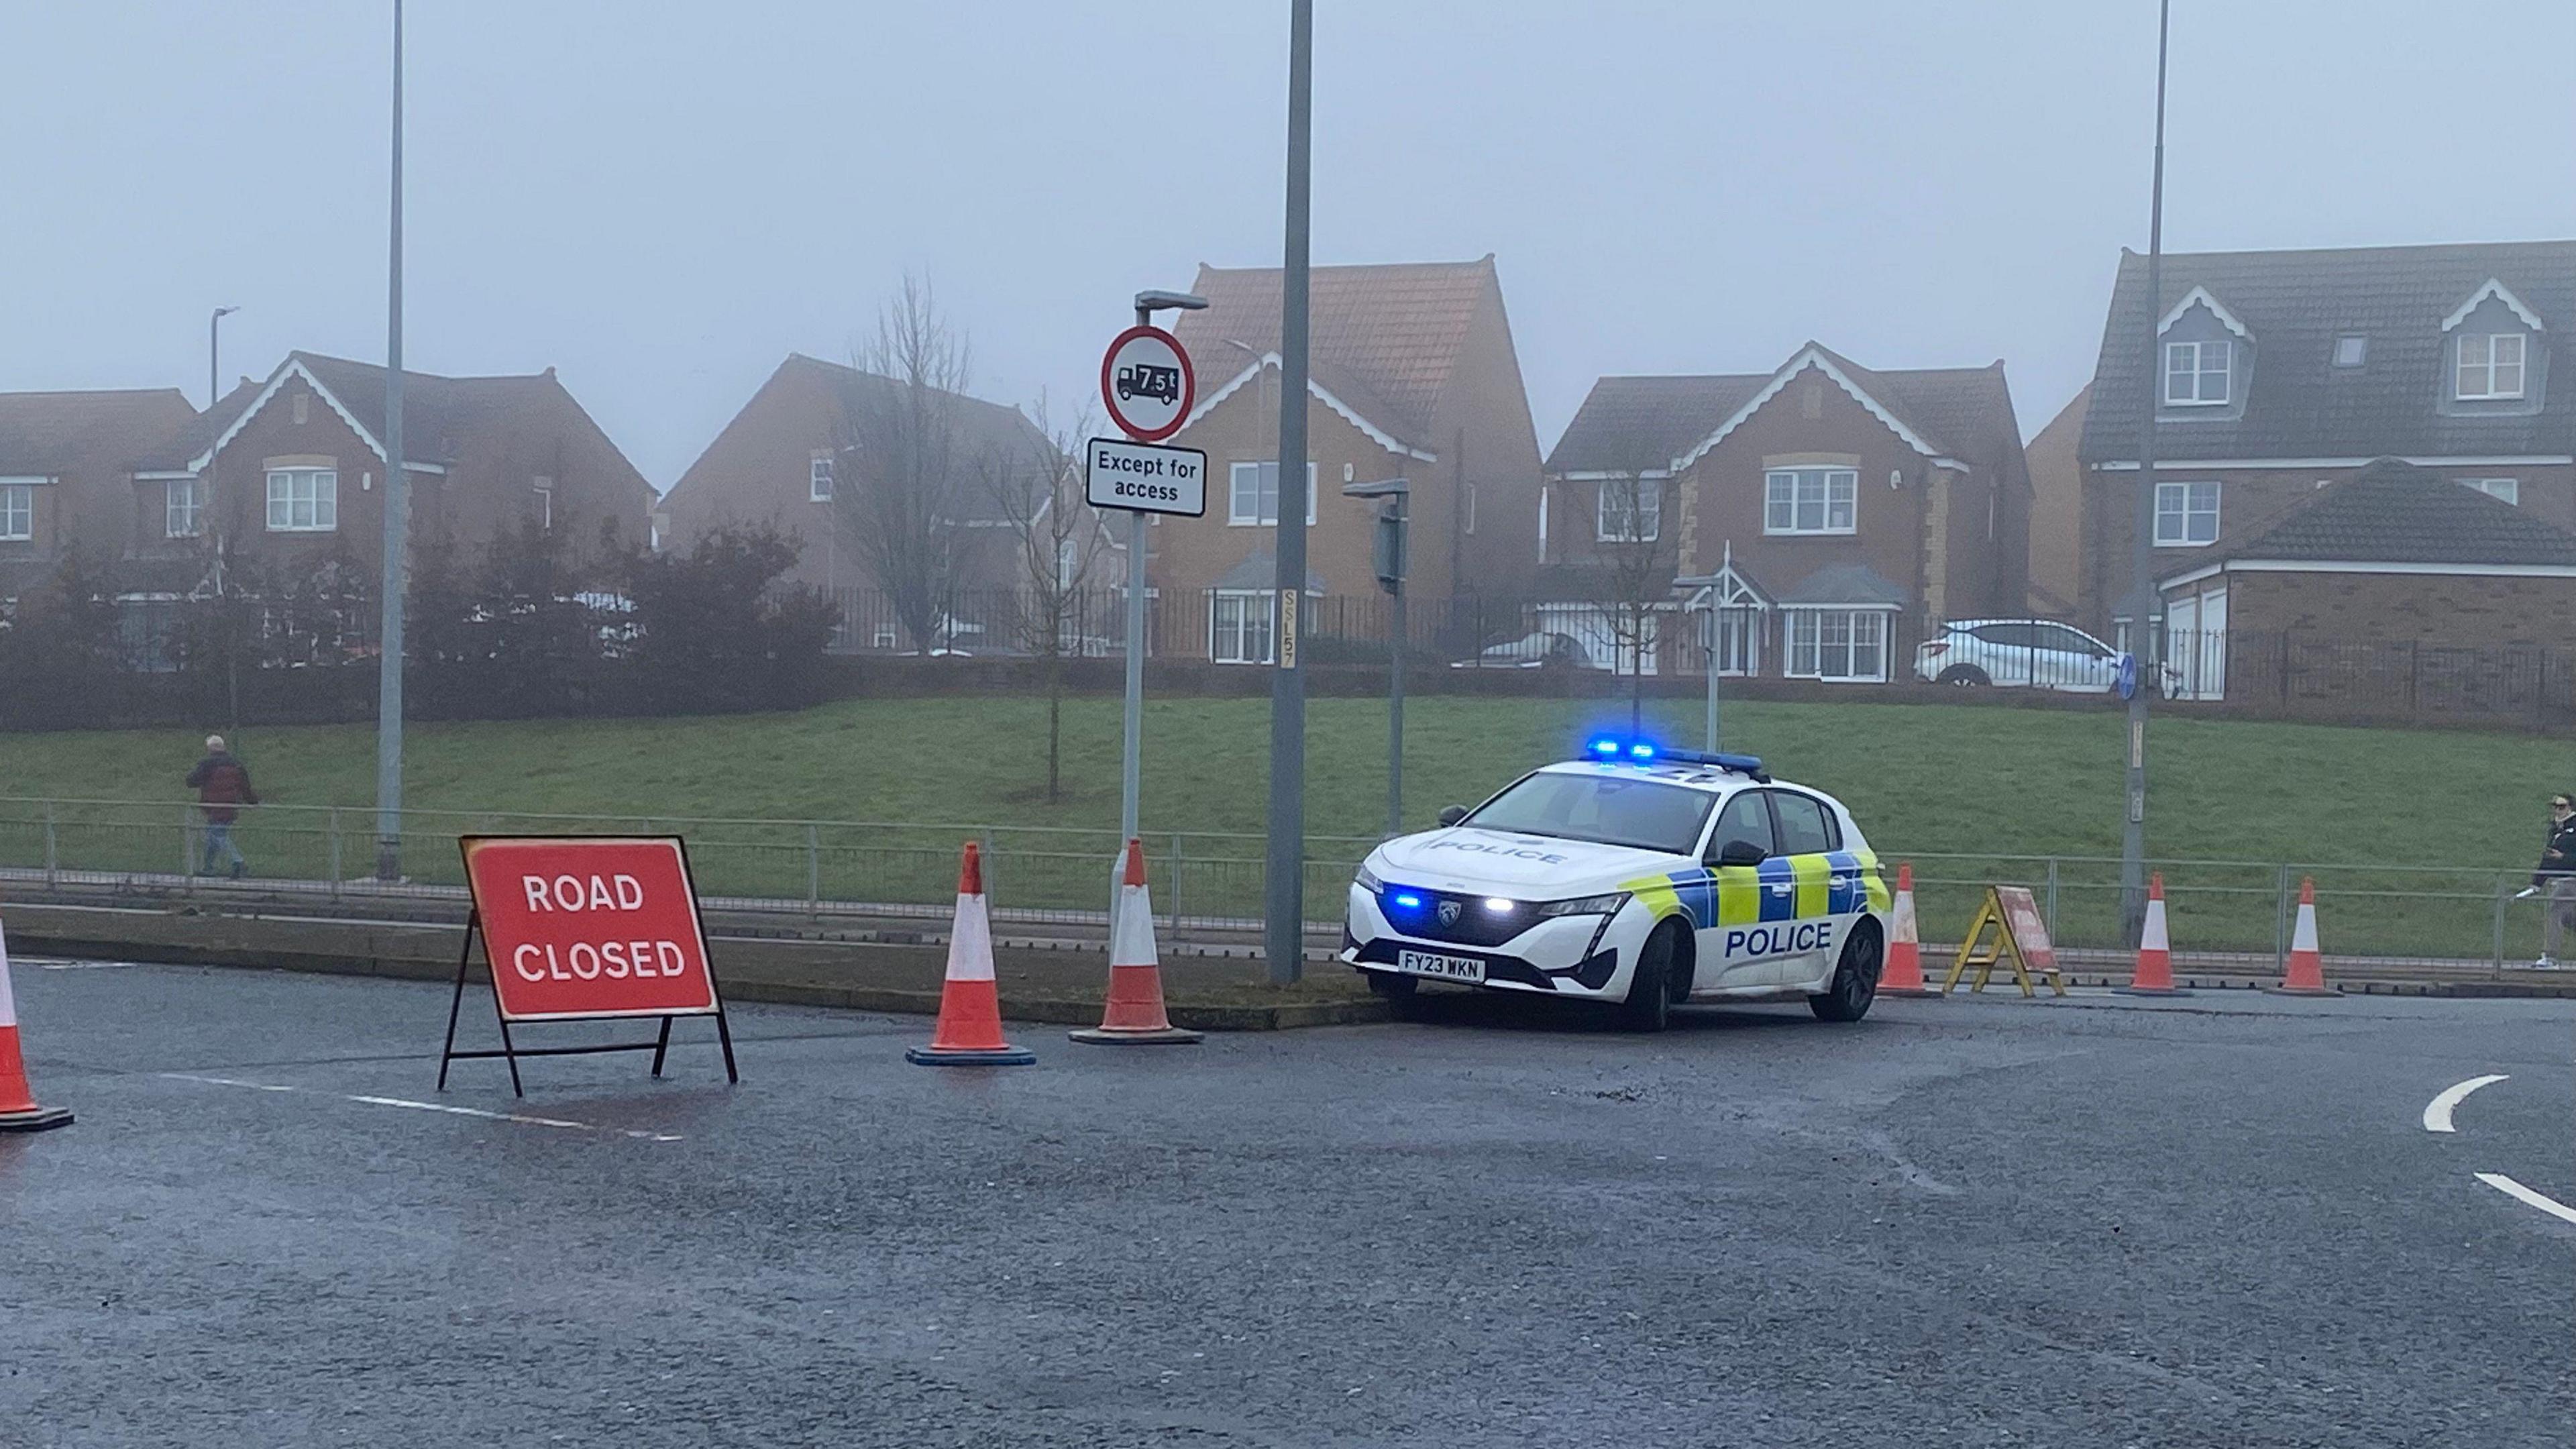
(1144, 379)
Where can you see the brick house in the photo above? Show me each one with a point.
(2057, 510)
(2397, 570)
(789, 456)
(292, 469)
(1834, 509)
(68, 462)
(1413, 374)
(2280, 373)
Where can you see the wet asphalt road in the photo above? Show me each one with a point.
(2215, 1222)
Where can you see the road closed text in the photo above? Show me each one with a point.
(590, 927)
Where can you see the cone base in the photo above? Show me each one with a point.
(1007, 1056)
(2151, 991)
(2300, 991)
(35, 1119)
(1136, 1036)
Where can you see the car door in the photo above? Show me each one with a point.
(1808, 840)
(2069, 660)
(1730, 939)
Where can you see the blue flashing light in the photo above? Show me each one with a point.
(1408, 900)
(1606, 747)
(1641, 751)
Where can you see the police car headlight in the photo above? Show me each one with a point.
(1369, 881)
(1585, 905)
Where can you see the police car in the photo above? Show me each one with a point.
(1633, 875)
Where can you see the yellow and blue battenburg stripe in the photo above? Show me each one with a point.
(1835, 883)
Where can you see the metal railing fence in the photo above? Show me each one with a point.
(1211, 881)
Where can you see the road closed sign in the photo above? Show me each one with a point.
(589, 927)
(1145, 477)
(1145, 380)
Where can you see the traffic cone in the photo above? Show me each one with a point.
(2154, 976)
(18, 1109)
(2306, 972)
(969, 1033)
(1903, 974)
(1134, 1011)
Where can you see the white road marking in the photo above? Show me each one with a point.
(225, 1082)
(45, 964)
(2518, 1192)
(451, 1109)
(2437, 1113)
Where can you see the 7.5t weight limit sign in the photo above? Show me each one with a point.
(1145, 478)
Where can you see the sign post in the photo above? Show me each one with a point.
(582, 929)
(1149, 388)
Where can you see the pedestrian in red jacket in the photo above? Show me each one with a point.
(223, 785)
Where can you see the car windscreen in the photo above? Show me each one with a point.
(1609, 809)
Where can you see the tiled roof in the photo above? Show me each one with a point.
(64, 432)
(2394, 512)
(439, 413)
(1637, 422)
(2296, 303)
(1847, 583)
(1393, 333)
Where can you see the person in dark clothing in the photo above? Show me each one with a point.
(2555, 878)
(222, 784)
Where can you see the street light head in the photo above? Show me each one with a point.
(226, 311)
(1169, 302)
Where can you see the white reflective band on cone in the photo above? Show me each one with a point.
(8, 1002)
(1905, 927)
(970, 946)
(2304, 938)
(1134, 943)
(2153, 937)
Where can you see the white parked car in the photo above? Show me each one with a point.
(1636, 876)
(2030, 653)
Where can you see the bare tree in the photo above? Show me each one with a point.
(1035, 489)
(898, 470)
(1632, 580)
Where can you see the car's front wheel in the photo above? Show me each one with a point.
(1855, 984)
(1649, 1006)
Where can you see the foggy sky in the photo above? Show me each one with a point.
(664, 199)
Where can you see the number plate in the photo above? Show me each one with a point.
(1447, 968)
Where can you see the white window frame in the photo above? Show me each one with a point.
(17, 512)
(2490, 366)
(1788, 492)
(1646, 525)
(183, 507)
(1237, 517)
(545, 491)
(1250, 608)
(2200, 372)
(1470, 509)
(2360, 345)
(320, 501)
(2183, 490)
(1542, 523)
(1824, 656)
(2508, 489)
(818, 478)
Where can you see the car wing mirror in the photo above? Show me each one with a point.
(1452, 814)
(1742, 852)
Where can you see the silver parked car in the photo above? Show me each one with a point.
(2025, 653)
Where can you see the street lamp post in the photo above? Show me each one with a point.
(1390, 560)
(214, 354)
(2142, 590)
(1284, 908)
(389, 642)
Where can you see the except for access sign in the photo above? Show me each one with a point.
(590, 927)
(1145, 380)
(1145, 478)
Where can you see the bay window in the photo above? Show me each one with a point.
(1844, 644)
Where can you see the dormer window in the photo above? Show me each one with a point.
(2196, 374)
(2490, 366)
(2350, 349)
